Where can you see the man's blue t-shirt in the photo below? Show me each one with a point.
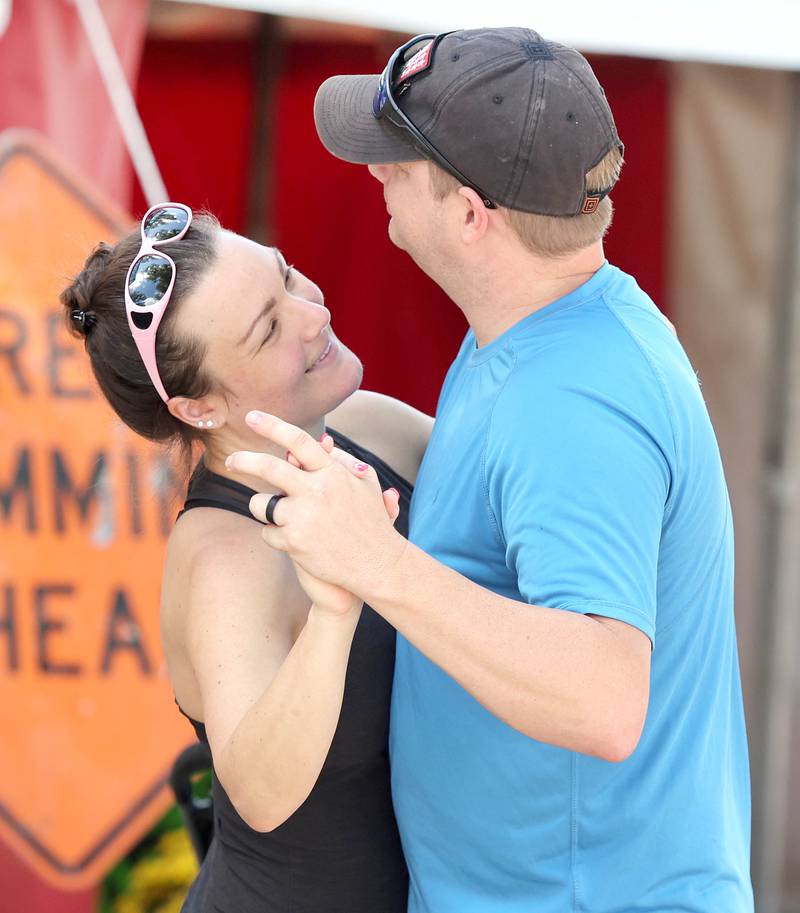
(573, 465)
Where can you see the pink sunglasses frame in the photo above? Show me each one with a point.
(146, 339)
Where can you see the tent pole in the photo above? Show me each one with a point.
(122, 101)
(780, 586)
(268, 60)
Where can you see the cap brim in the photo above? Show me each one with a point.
(349, 130)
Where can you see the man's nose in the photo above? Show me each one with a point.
(380, 172)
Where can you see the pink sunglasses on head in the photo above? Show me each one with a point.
(150, 279)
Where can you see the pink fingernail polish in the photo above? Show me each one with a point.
(361, 467)
(394, 490)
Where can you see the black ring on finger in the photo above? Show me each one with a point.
(269, 513)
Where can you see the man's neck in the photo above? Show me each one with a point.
(496, 299)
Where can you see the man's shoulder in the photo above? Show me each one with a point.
(593, 368)
(614, 339)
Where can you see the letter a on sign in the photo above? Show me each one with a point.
(90, 727)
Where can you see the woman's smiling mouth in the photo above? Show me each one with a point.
(323, 355)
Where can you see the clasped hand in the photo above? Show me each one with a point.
(334, 522)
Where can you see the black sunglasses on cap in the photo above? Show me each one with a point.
(401, 67)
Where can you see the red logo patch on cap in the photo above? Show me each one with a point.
(417, 63)
(590, 205)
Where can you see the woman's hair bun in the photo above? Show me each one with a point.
(77, 297)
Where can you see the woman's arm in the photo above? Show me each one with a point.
(270, 702)
(396, 432)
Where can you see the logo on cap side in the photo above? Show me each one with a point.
(590, 204)
(417, 63)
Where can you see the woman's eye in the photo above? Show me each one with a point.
(270, 333)
(290, 272)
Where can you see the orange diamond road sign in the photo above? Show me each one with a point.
(89, 726)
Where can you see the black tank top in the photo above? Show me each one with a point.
(340, 851)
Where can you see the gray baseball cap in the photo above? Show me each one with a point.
(519, 118)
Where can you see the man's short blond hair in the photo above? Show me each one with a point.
(553, 236)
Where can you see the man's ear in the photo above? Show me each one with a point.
(475, 216)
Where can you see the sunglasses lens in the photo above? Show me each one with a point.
(406, 61)
(165, 223)
(149, 280)
(381, 95)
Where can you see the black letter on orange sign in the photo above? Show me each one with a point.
(59, 353)
(123, 633)
(134, 494)
(11, 350)
(45, 625)
(20, 486)
(63, 486)
(9, 626)
(168, 488)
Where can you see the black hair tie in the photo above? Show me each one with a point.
(84, 320)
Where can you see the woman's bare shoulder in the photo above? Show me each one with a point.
(228, 602)
(218, 549)
(391, 429)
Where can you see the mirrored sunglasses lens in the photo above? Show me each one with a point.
(163, 224)
(149, 280)
(381, 96)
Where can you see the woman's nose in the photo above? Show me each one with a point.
(316, 321)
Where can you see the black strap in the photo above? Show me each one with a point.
(208, 489)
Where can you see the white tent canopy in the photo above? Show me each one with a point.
(5, 15)
(739, 32)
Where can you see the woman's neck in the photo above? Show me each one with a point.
(222, 443)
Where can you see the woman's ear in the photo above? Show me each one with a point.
(199, 413)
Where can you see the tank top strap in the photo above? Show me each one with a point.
(209, 489)
(388, 477)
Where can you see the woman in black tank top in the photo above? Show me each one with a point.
(286, 678)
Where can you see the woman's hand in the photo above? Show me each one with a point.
(332, 519)
(328, 598)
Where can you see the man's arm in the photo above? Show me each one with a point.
(562, 677)
(577, 681)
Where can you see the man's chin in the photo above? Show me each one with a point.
(394, 235)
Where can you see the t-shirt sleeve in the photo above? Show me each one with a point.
(577, 482)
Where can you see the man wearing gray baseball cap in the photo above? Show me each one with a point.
(567, 727)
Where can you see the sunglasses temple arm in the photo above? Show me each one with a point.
(146, 344)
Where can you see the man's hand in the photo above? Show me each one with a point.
(333, 521)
